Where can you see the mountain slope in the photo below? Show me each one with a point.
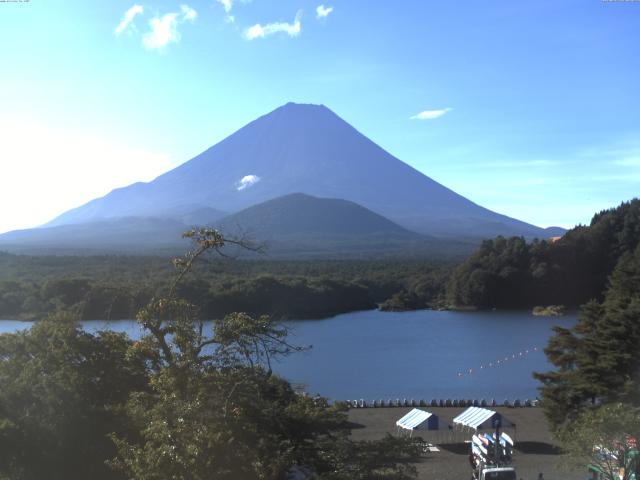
(309, 149)
(131, 234)
(292, 226)
(305, 226)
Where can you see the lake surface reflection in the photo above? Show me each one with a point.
(421, 355)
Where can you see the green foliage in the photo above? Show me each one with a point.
(493, 276)
(598, 360)
(285, 297)
(426, 290)
(62, 392)
(116, 287)
(510, 273)
(186, 401)
(603, 438)
(215, 410)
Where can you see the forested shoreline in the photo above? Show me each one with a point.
(116, 287)
(503, 273)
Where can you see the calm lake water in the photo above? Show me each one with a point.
(421, 355)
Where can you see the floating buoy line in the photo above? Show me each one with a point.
(500, 362)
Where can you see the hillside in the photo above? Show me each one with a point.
(508, 272)
(300, 214)
(128, 234)
(310, 227)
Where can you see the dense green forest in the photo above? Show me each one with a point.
(592, 397)
(187, 401)
(115, 287)
(511, 273)
(598, 360)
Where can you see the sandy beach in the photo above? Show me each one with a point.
(535, 450)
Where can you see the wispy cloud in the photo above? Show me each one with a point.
(322, 11)
(188, 13)
(127, 20)
(164, 29)
(631, 161)
(261, 31)
(430, 114)
(227, 4)
(625, 154)
(247, 181)
(521, 164)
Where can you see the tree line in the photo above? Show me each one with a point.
(112, 287)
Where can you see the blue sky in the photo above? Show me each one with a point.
(531, 108)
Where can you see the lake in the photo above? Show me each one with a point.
(417, 355)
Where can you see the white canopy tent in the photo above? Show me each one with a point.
(418, 419)
(476, 418)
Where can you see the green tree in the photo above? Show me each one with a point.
(216, 410)
(509, 272)
(188, 400)
(62, 393)
(605, 438)
(598, 360)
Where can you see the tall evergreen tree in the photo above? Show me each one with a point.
(598, 360)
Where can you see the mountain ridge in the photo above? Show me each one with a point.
(292, 226)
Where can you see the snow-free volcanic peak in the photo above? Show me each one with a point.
(309, 149)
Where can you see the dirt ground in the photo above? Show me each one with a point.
(535, 451)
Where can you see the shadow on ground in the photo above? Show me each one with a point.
(354, 426)
(457, 448)
(538, 448)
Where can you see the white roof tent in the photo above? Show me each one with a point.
(418, 419)
(477, 418)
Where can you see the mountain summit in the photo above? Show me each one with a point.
(309, 149)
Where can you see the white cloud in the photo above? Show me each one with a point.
(128, 18)
(227, 4)
(322, 11)
(259, 31)
(164, 30)
(430, 114)
(64, 169)
(188, 13)
(247, 181)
